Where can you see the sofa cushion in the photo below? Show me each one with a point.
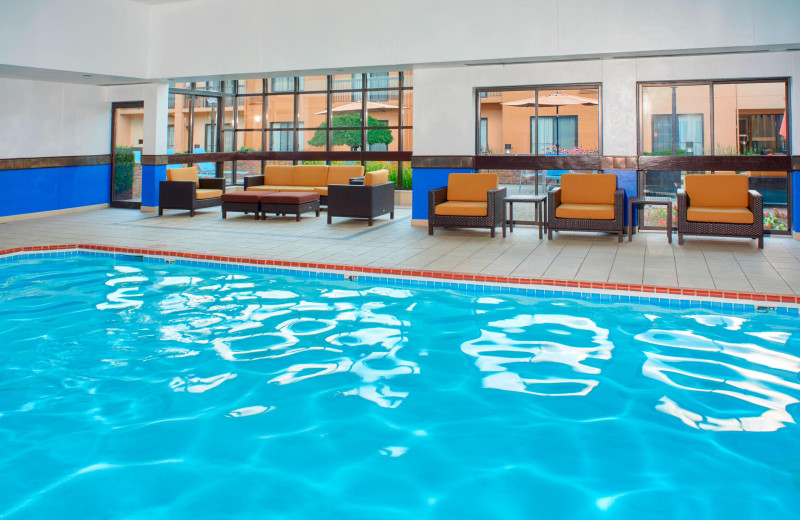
(586, 211)
(461, 208)
(280, 188)
(182, 174)
(201, 194)
(310, 175)
(278, 175)
(717, 191)
(471, 186)
(343, 174)
(588, 188)
(379, 177)
(722, 215)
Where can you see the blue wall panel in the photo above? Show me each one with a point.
(628, 181)
(48, 189)
(795, 197)
(151, 176)
(424, 180)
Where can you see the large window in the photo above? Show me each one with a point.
(716, 118)
(738, 118)
(539, 120)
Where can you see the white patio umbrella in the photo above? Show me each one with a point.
(355, 108)
(552, 100)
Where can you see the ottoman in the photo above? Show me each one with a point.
(245, 201)
(284, 202)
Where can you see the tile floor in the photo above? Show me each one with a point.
(702, 263)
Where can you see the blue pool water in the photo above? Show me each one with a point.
(151, 391)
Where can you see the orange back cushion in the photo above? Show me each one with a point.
(311, 175)
(275, 175)
(343, 174)
(717, 191)
(376, 177)
(583, 188)
(471, 186)
(182, 174)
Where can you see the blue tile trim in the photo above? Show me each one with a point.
(599, 298)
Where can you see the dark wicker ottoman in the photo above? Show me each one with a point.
(286, 202)
(246, 201)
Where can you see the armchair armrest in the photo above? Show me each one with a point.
(253, 180)
(212, 183)
(553, 201)
(436, 197)
(755, 201)
(683, 204)
(619, 204)
(357, 181)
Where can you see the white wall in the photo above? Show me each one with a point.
(92, 36)
(45, 119)
(444, 97)
(209, 37)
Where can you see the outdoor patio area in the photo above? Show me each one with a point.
(702, 263)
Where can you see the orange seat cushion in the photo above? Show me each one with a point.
(323, 191)
(182, 174)
(343, 174)
(280, 188)
(310, 175)
(461, 208)
(377, 177)
(586, 211)
(471, 186)
(717, 191)
(278, 175)
(583, 188)
(201, 194)
(722, 215)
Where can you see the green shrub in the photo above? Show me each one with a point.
(124, 163)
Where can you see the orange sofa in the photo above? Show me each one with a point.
(720, 205)
(586, 202)
(472, 200)
(303, 177)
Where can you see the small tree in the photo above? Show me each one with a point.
(351, 138)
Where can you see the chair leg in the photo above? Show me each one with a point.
(549, 234)
(430, 229)
(369, 220)
(160, 211)
(224, 214)
(619, 237)
(329, 218)
(492, 232)
(680, 239)
(297, 217)
(391, 215)
(191, 212)
(761, 242)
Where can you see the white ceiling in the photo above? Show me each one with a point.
(156, 2)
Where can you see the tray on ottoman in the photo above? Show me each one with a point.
(245, 201)
(286, 202)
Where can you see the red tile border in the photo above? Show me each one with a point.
(700, 293)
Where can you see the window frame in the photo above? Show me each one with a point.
(483, 93)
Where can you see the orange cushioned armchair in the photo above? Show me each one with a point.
(184, 190)
(586, 202)
(720, 205)
(472, 200)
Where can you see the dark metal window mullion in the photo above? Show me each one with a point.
(296, 116)
(328, 117)
(364, 114)
(234, 165)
